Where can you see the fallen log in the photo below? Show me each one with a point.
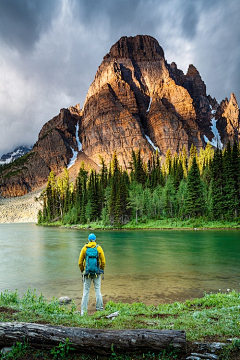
(98, 341)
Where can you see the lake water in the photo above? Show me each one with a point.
(150, 266)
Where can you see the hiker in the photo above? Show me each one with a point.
(91, 263)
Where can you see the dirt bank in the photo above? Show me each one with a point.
(20, 209)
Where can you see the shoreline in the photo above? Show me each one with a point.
(76, 227)
(24, 209)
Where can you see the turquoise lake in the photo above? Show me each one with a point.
(150, 266)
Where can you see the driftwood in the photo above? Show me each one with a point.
(96, 341)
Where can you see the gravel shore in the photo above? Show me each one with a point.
(20, 209)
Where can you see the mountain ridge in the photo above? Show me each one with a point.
(136, 101)
(15, 154)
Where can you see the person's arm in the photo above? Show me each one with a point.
(101, 257)
(82, 258)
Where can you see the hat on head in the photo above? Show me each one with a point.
(91, 237)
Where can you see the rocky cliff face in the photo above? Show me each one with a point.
(57, 142)
(136, 92)
(228, 123)
(136, 101)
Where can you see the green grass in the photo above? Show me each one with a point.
(212, 317)
(184, 224)
(158, 224)
(214, 314)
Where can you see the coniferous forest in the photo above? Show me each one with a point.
(202, 185)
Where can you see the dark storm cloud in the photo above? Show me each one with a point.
(190, 19)
(22, 21)
(217, 49)
(50, 51)
(119, 13)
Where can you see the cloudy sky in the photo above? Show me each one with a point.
(50, 51)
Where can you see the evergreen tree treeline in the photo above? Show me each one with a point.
(205, 184)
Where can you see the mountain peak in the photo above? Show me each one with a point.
(137, 101)
(233, 100)
(192, 71)
(137, 48)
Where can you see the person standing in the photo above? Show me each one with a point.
(91, 263)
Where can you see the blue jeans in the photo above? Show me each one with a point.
(86, 288)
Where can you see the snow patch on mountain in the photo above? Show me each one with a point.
(75, 153)
(151, 143)
(216, 140)
(15, 154)
(73, 159)
(77, 138)
(149, 105)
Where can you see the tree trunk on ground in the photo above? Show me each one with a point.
(98, 341)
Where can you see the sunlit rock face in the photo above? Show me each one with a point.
(137, 101)
(137, 96)
(52, 151)
(229, 120)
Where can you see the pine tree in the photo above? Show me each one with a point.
(123, 196)
(115, 197)
(208, 154)
(93, 200)
(51, 197)
(40, 217)
(148, 210)
(236, 175)
(158, 202)
(193, 154)
(60, 196)
(195, 203)
(136, 199)
(183, 159)
(103, 183)
(66, 191)
(152, 191)
(103, 174)
(81, 194)
(181, 197)
(201, 160)
(169, 195)
(155, 176)
(168, 162)
(229, 190)
(216, 197)
(45, 217)
(138, 173)
(177, 171)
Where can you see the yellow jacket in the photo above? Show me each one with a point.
(81, 260)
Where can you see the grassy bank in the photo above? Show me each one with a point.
(215, 317)
(157, 224)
